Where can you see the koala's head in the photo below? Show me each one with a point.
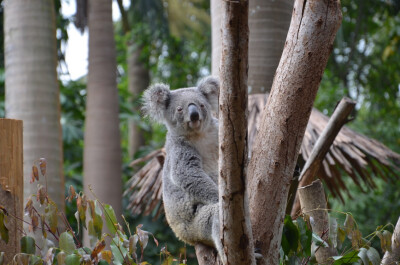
(184, 111)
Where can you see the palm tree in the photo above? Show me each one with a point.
(102, 150)
(268, 22)
(32, 91)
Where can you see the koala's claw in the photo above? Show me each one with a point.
(258, 256)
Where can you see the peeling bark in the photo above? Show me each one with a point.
(308, 45)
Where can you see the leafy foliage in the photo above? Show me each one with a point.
(299, 243)
(126, 247)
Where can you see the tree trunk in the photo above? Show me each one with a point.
(284, 120)
(269, 23)
(313, 204)
(102, 150)
(32, 92)
(138, 81)
(235, 229)
(216, 16)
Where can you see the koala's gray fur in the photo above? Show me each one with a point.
(190, 173)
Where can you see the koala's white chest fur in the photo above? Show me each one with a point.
(207, 146)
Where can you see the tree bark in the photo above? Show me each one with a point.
(32, 91)
(321, 147)
(313, 204)
(393, 257)
(235, 229)
(216, 16)
(11, 183)
(138, 81)
(284, 120)
(269, 23)
(102, 152)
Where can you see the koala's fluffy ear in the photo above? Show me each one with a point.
(209, 87)
(155, 101)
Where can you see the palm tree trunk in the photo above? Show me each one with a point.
(32, 91)
(102, 150)
(138, 81)
(269, 23)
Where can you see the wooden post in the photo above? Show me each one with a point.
(11, 183)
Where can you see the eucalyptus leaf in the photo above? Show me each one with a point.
(373, 256)
(73, 259)
(28, 245)
(111, 219)
(66, 243)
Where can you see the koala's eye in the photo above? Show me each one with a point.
(179, 108)
(202, 105)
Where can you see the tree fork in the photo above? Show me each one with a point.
(308, 45)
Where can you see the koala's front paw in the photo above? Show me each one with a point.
(258, 256)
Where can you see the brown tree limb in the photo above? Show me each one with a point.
(284, 120)
(235, 228)
(313, 202)
(393, 257)
(321, 147)
(125, 22)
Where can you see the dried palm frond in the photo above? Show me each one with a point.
(358, 156)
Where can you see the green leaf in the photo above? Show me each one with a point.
(97, 221)
(35, 260)
(51, 213)
(118, 250)
(72, 259)
(102, 262)
(111, 219)
(66, 242)
(363, 256)
(290, 236)
(349, 258)
(28, 245)
(373, 256)
(305, 236)
(3, 229)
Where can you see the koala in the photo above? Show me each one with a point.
(190, 173)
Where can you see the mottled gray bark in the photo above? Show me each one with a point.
(308, 45)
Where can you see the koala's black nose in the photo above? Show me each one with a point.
(193, 112)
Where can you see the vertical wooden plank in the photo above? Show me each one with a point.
(11, 182)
